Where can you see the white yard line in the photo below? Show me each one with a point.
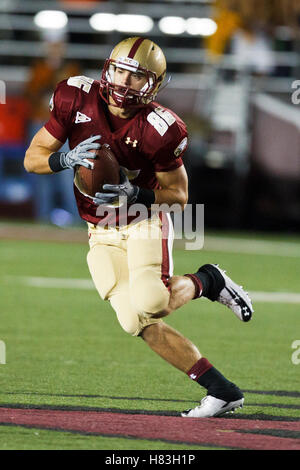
(252, 246)
(86, 284)
(276, 297)
(280, 297)
(55, 282)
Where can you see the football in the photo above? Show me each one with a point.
(106, 170)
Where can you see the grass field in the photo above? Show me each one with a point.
(66, 351)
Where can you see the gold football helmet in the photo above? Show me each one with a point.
(135, 54)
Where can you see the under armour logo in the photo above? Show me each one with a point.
(133, 143)
(245, 311)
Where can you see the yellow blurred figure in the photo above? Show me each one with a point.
(228, 21)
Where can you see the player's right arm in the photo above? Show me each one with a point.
(42, 156)
(37, 155)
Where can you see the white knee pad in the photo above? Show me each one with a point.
(131, 320)
(104, 278)
(148, 293)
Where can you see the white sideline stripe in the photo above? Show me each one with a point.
(86, 284)
(258, 247)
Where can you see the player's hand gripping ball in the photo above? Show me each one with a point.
(104, 169)
(115, 192)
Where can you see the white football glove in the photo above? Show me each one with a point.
(124, 189)
(80, 153)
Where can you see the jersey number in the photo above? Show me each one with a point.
(82, 82)
(161, 120)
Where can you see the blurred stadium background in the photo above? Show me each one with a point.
(235, 68)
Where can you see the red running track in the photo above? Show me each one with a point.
(232, 433)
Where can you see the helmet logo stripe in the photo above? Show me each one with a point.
(135, 47)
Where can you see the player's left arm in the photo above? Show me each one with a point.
(168, 166)
(173, 190)
(174, 187)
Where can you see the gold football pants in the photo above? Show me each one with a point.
(131, 266)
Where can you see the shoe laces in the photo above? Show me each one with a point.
(228, 300)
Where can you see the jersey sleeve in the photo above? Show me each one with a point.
(169, 157)
(60, 106)
(169, 139)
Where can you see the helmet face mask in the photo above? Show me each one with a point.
(124, 96)
(136, 55)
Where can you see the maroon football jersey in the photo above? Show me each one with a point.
(154, 140)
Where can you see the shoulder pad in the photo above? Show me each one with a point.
(82, 82)
(166, 123)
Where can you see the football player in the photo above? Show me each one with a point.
(131, 270)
